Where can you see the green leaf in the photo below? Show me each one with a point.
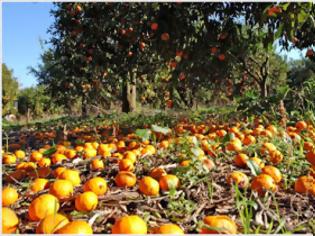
(159, 129)
(285, 6)
(79, 142)
(144, 134)
(50, 151)
(302, 17)
(254, 168)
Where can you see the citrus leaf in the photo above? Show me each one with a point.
(254, 168)
(50, 151)
(144, 134)
(159, 129)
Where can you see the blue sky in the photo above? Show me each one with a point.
(24, 24)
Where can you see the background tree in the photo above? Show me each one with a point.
(36, 101)
(10, 88)
(115, 49)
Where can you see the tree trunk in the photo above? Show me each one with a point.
(263, 88)
(84, 106)
(28, 115)
(194, 104)
(132, 96)
(124, 97)
(129, 95)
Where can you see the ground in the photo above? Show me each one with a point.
(203, 190)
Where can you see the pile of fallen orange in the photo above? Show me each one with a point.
(62, 181)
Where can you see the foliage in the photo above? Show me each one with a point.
(10, 88)
(36, 101)
(192, 48)
(301, 81)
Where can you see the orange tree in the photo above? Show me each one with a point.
(113, 48)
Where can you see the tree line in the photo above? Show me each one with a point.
(173, 54)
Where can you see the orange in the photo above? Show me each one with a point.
(273, 172)
(266, 133)
(137, 151)
(61, 189)
(58, 171)
(132, 224)
(241, 159)
(20, 154)
(79, 148)
(267, 148)
(130, 156)
(36, 156)
(125, 179)
(95, 145)
(112, 147)
(301, 125)
(44, 162)
(58, 158)
(164, 144)
(305, 184)
(154, 26)
(126, 165)
(88, 145)
(157, 173)
(51, 223)
(221, 132)
(42, 150)
(165, 36)
(97, 185)
(39, 184)
(103, 148)
(308, 146)
(258, 130)
(234, 145)
(294, 136)
(234, 129)
(43, 206)
(169, 229)
(185, 163)
(149, 186)
(97, 164)
(275, 157)
(9, 159)
(70, 153)
(60, 148)
(121, 145)
(29, 166)
(76, 227)
(148, 150)
(258, 162)
(86, 201)
(262, 183)
(117, 155)
(89, 153)
(238, 178)
(272, 129)
(66, 143)
(168, 182)
(133, 145)
(221, 224)
(10, 221)
(72, 175)
(291, 129)
(208, 163)
(9, 196)
(310, 156)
